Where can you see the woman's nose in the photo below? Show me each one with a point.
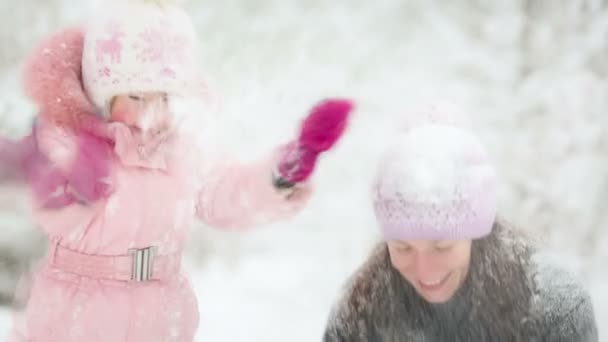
(424, 265)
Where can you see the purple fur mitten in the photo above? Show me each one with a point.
(319, 132)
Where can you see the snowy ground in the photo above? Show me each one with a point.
(532, 74)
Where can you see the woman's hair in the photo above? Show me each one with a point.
(501, 264)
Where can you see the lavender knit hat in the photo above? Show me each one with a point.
(435, 182)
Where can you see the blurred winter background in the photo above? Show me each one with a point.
(532, 73)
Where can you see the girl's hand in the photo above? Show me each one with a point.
(319, 132)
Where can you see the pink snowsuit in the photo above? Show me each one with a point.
(84, 289)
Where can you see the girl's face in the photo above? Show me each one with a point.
(146, 113)
(436, 269)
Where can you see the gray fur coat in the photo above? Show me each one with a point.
(509, 295)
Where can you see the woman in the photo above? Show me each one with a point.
(448, 270)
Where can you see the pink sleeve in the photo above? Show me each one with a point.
(236, 195)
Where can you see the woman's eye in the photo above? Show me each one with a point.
(443, 248)
(403, 249)
(135, 97)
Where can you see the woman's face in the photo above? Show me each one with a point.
(436, 269)
(146, 113)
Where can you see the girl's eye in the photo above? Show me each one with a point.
(165, 98)
(135, 97)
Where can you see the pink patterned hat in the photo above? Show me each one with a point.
(435, 183)
(139, 46)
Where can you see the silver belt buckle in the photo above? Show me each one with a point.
(143, 263)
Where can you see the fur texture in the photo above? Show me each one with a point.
(325, 125)
(53, 80)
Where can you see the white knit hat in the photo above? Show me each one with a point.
(139, 46)
(435, 182)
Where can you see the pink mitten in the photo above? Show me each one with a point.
(319, 132)
(85, 180)
(48, 184)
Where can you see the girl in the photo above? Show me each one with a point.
(115, 182)
(448, 270)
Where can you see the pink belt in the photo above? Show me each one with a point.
(138, 265)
